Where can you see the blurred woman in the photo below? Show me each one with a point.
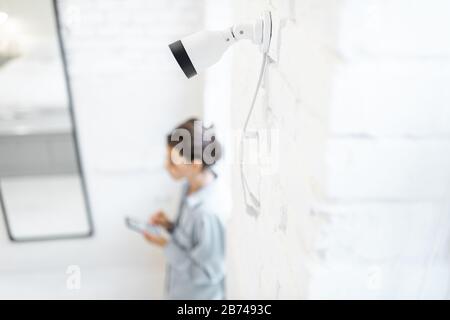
(195, 252)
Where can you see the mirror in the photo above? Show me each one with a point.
(42, 190)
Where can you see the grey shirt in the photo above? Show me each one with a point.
(196, 251)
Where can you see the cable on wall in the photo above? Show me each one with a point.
(252, 202)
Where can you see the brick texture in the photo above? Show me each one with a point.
(359, 206)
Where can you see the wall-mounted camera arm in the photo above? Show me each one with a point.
(200, 50)
(249, 31)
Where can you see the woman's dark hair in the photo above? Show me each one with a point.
(196, 142)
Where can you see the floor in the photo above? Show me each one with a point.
(115, 263)
(96, 283)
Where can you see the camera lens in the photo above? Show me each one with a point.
(180, 54)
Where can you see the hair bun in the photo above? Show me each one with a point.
(201, 139)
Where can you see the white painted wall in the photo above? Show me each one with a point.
(359, 206)
(128, 93)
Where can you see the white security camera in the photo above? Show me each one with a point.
(201, 50)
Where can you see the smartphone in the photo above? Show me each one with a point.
(141, 227)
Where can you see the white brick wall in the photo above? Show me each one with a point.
(397, 98)
(127, 90)
(360, 204)
(128, 93)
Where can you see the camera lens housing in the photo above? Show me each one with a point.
(181, 56)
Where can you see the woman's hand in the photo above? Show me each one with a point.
(158, 240)
(159, 218)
